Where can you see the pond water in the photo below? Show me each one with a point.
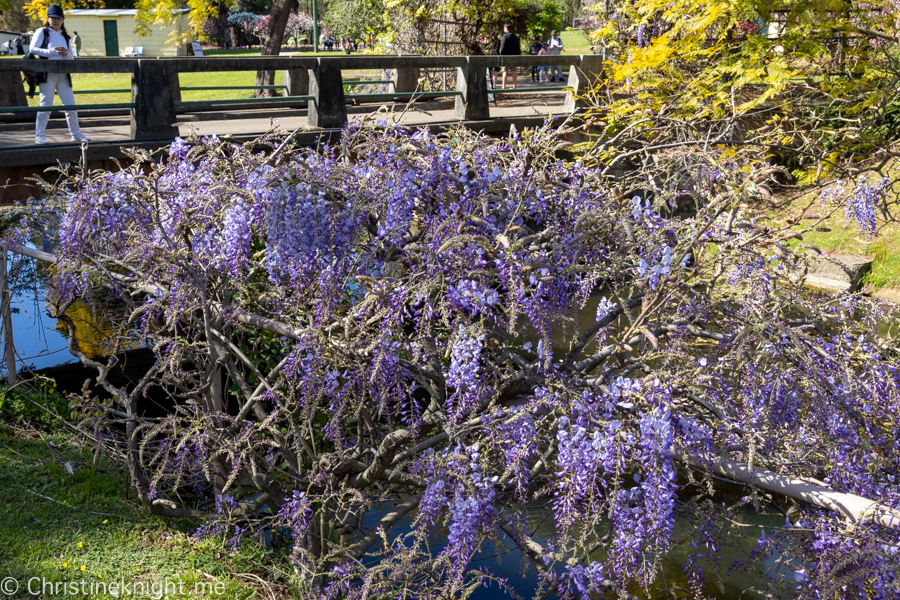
(40, 340)
(726, 576)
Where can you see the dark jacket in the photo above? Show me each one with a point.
(509, 45)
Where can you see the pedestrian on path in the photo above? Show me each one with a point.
(534, 50)
(20, 50)
(52, 42)
(556, 46)
(509, 46)
(76, 43)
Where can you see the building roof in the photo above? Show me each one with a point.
(109, 12)
(104, 12)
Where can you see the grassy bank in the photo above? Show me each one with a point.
(66, 515)
(838, 235)
(844, 238)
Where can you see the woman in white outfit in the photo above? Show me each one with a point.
(52, 42)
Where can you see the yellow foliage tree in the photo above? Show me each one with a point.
(166, 12)
(811, 76)
(37, 9)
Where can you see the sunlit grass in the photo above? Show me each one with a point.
(58, 526)
(836, 234)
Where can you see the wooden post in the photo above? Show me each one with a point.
(471, 82)
(9, 348)
(175, 84)
(583, 77)
(329, 107)
(12, 93)
(296, 83)
(405, 79)
(153, 115)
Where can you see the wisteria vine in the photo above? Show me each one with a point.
(450, 329)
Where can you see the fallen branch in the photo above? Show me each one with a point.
(852, 506)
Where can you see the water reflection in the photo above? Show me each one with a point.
(723, 579)
(94, 333)
(38, 343)
(42, 341)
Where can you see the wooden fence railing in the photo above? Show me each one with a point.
(318, 81)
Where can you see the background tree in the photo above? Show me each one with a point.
(14, 18)
(469, 26)
(37, 9)
(299, 25)
(166, 12)
(548, 18)
(356, 19)
(259, 7)
(271, 44)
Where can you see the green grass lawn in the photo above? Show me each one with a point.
(62, 526)
(575, 42)
(122, 81)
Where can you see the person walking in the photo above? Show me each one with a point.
(534, 50)
(509, 46)
(20, 50)
(556, 46)
(52, 42)
(76, 44)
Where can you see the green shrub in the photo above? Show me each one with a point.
(38, 403)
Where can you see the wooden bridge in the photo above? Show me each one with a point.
(314, 97)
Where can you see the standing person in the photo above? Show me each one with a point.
(20, 50)
(556, 46)
(534, 50)
(509, 46)
(76, 43)
(544, 69)
(52, 42)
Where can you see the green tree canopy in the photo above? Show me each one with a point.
(548, 18)
(356, 18)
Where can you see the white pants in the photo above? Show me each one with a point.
(59, 83)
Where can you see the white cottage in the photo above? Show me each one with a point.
(7, 38)
(110, 32)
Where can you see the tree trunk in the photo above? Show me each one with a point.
(278, 19)
(9, 347)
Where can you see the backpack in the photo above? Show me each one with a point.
(31, 78)
(34, 78)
